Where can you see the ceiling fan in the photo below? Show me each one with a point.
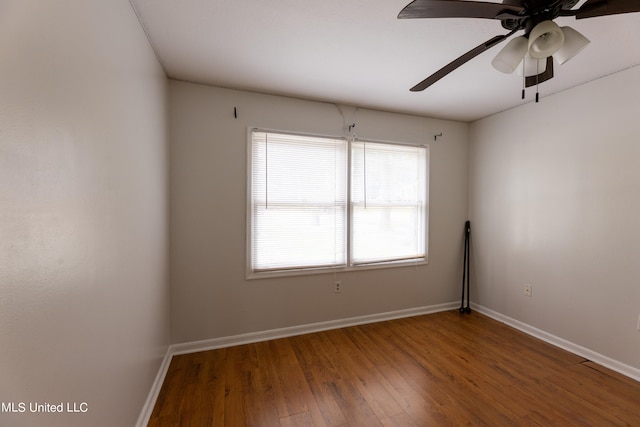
(542, 40)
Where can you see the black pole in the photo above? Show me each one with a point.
(466, 274)
(468, 226)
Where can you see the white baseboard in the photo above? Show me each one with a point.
(147, 409)
(598, 358)
(253, 337)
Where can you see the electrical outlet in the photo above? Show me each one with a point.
(527, 290)
(638, 325)
(337, 286)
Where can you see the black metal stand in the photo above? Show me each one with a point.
(465, 268)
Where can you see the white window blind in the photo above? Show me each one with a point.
(298, 201)
(389, 202)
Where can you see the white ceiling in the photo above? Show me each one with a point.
(357, 53)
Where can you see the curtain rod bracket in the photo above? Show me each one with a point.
(435, 137)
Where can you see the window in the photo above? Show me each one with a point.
(388, 202)
(318, 203)
(298, 202)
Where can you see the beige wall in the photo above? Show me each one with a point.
(210, 296)
(554, 196)
(83, 211)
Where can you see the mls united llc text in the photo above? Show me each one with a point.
(45, 407)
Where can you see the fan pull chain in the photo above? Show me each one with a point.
(537, 82)
(524, 77)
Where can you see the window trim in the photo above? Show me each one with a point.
(350, 266)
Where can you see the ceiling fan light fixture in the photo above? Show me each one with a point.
(545, 39)
(507, 60)
(573, 44)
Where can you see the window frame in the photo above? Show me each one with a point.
(348, 232)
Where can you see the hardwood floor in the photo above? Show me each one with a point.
(443, 369)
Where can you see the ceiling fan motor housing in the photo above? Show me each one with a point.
(535, 12)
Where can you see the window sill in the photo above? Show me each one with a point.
(310, 271)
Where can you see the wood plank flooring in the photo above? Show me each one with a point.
(443, 369)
